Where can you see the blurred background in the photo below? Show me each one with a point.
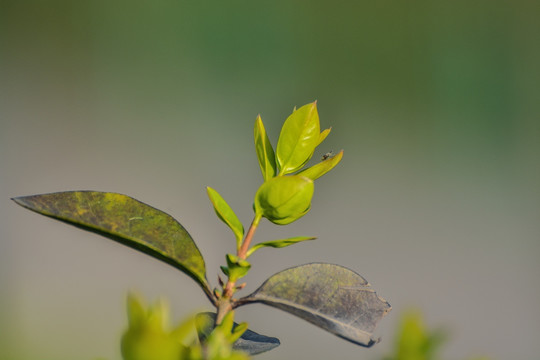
(436, 202)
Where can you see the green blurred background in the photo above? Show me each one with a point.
(436, 202)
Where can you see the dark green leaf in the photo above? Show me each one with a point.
(128, 221)
(329, 296)
(226, 214)
(279, 243)
(250, 342)
(264, 150)
(299, 136)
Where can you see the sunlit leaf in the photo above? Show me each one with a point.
(329, 296)
(323, 135)
(279, 243)
(250, 342)
(236, 267)
(226, 214)
(298, 139)
(316, 171)
(127, 221)
(284, 199)
(265, 152)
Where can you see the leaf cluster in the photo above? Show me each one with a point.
(330, 296)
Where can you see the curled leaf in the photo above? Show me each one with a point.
(226, 214)
(264, 150)
(298, 139)
(331, 297)
(316, 171)
(284, 199)
(279, 243)
(127, 221)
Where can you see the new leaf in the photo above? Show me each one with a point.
(264, 150)
(298, 139)
(316, 171)
(284, 199)
(226, 214)
(279, 243)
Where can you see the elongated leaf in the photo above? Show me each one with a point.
(330, 296)
(323, 135)
(128, 221)
(318, 170)
(279, 243)
(298, 139)
(284, 199)
(250, 342)
(264, 150)
(226, 214)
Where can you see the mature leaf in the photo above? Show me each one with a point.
(323, 135)
(265, 152)
(279, 243)
(330, 296)
(298, 139)
(316, 171)
(250, 342)
(127, 221)
(284, 199)
(226, 214)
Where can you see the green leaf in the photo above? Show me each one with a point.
(250, 341)
(284, 199)
(279, 243)
(265, 152)
(331, 297)
(226, 214)
(298, 139)
(316, 171)
(127, 221)
(147, 337)
(236, 267)
(323, 135)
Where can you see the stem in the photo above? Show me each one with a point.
(224, 306)
(242, 253)
(226, 303)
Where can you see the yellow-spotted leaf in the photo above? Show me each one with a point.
(226, 214)
(331, 297)
(264, 150)
(318, 170)
(298, 139)
(127, 221)
(284, 199)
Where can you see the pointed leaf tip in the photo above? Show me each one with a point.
(226, 214)
(316, 171)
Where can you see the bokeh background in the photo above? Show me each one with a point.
(436, 202)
